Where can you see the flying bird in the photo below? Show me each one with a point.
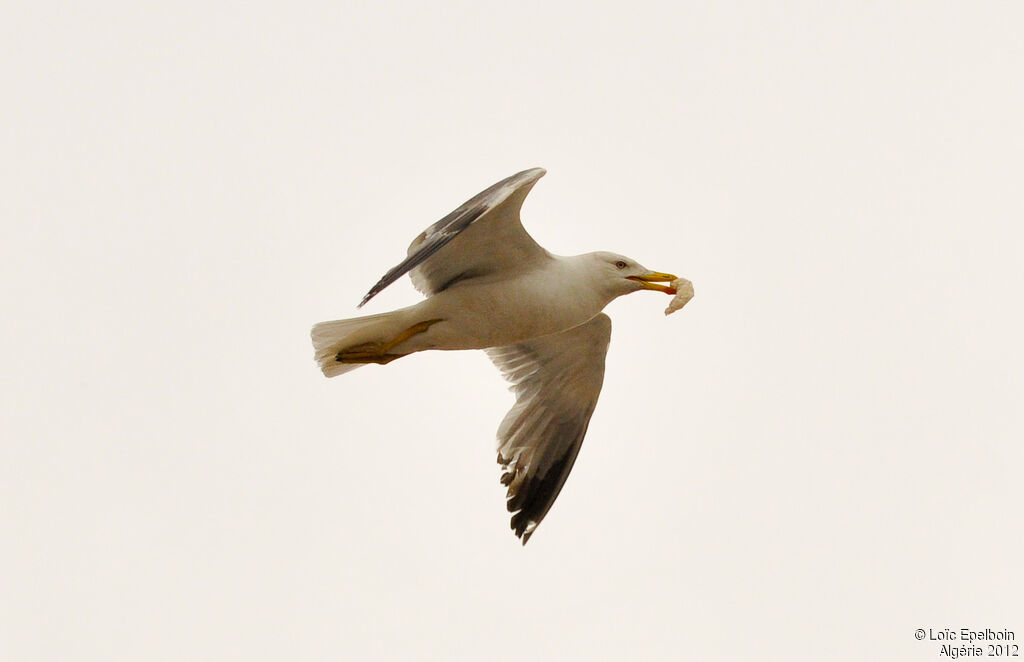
(490, 286)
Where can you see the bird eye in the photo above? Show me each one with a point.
(620, 264)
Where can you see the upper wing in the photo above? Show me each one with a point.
(557, 380)
(485, 234)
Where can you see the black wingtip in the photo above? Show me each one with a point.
(522, 526)
(369, 295)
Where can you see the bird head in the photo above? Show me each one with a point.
(624, 275)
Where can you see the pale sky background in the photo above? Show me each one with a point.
(817, 456)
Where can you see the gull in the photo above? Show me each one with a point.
(490, 286)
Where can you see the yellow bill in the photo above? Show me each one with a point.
(650, 281)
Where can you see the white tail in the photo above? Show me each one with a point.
(329, 338)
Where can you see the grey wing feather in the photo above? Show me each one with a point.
(556, 380)
(497, 240)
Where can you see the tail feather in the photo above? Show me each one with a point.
(329, 338)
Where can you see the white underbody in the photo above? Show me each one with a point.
(482, 313)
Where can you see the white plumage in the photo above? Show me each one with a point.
(490, 286)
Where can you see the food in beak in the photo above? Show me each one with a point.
(684, 292)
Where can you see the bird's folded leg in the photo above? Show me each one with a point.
(413, 330)
(377, 352)
(367, 353)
